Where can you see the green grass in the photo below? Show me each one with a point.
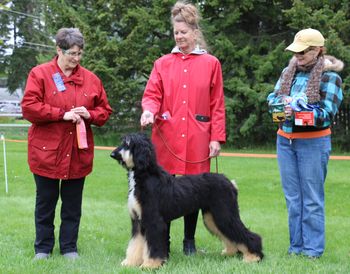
(105, 224)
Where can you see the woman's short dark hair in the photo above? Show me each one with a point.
(69, 37)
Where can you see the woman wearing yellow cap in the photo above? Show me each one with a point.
(310, 90)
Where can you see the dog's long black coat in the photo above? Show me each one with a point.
(156, 198)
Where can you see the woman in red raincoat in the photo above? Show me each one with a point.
(184, 100)
(61, 98)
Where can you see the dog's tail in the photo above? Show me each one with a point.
(225, 221)
(254, 243)
(249, 242)
(234, 184)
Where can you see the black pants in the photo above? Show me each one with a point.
(190, 224)
(47, 193)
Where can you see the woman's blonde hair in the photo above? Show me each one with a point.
(185, 12)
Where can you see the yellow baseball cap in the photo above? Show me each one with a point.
(306, 38)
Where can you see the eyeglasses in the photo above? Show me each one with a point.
(72, 53)
(304, 51)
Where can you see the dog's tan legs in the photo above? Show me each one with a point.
(247, 256)
(150, 262)
(230, 247)
(135, 250)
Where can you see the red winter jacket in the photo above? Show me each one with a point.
(185, 93)
(52, 142)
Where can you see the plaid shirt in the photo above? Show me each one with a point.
(331, 98)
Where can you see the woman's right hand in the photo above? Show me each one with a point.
(288, 111)
(71, 116)
(147, 118)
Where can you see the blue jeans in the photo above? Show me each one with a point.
(303, 169)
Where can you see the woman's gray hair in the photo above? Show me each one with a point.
(69, 37)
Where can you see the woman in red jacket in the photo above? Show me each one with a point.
(184, 100)
(61, 100)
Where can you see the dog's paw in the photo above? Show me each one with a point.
(229, 251)
(152, 263)
(127, 262)
(251, 258)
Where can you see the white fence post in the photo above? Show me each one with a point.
(5, 164)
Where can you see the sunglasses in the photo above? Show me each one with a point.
(304, 51)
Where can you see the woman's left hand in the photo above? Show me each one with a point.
(214, 148)
(82, 112)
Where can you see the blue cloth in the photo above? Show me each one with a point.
(331, 97)
(303, 169)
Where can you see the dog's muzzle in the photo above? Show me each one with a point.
(115, 155)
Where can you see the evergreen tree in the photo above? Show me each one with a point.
(4, 34)
(30, 40)
(123, 39)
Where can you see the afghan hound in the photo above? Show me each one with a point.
(156, 197)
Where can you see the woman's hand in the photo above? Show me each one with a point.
(288, 111)
(71, 116)
(147, 118)
(214, 148)
(82, 112)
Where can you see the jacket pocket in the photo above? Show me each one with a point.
(42, 154)
(202, 118)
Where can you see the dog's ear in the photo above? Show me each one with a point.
(142, 152)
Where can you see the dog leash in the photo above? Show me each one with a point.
(178, 157)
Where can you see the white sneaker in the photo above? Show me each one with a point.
(71, 255)
(41, 256)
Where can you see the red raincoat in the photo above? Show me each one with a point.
(52, 142)
(185, 93)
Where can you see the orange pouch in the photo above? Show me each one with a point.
(81, 135)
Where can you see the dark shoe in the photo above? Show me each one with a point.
(71, 255)
(313, 257)
(189, 247)
(41, 256)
